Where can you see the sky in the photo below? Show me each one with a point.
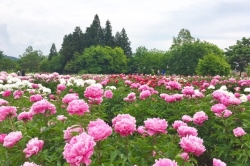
(149, 23)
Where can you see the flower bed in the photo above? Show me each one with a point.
(52, 119)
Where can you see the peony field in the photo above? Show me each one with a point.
(50, 119)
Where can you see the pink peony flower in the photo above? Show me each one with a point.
(188, 91)
(108, 94)
(7, 111)
(35, 98)
(72, 131)
(95, 100)
(70, 97)
(93, 92)
(35, 86)
(2, 136)
(99, 130)
(52, 97)
(184, 156)
(3, 102)
(78, 107)
(30, 164)
(217, 162)
(145, 94)
(6, 93)
(155, 126)
(12, 138)
(141, 130)
(41, 107)
(224, 114)
(33, 147)
(79, 149)
(187, 118)
(218, 108)
(192, 144)
(131, 97)
(124, 124)
(238, 132)
(61, 87)
(184, 131)
(178, 123)
(61, 118)
(170, 98)
(17, 94)
(174, 85)
(165, 162)
(200, 117)
(25, 116)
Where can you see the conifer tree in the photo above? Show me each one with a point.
(53, 51)
(94, 34)
(122, 40)
(108, 37)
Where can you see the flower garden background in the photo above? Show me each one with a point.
(61, 120)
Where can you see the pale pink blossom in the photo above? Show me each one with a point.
(71, 132)
(61, 118)
(200, 117)
(35, 86)
(145, 94)
(156, 126)
(41, 107)
(218, 108)
(124, 124)
(178, 123)
(218, 162)
(7, 111)
(35, 98)
(3, 102)
(192, 144)
(238, 132)
(184, 156)
(93, 92)
(17, 94)
(183, 131)
(30, 164)
(79, 150)
(165, 162)
(99, 129)
(188, 91)
(187, 118)
(173, 85)
(25, 116)
(33, 147)
(141, 130)
(78, 107)
(61, 87)
(12, 138)
(224, 114)
(108, 94)
(70, 97)
(131, 97)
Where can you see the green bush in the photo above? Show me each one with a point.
(213, 65)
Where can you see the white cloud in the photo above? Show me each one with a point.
(148, 23)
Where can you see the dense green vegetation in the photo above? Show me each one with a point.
(98, 51)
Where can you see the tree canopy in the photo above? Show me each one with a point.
(239, 54)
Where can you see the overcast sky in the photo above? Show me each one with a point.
(149, 23)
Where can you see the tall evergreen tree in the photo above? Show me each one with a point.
(53, 51)
(122, 40)
(72, 43)
(94, 34)
(108, 37)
